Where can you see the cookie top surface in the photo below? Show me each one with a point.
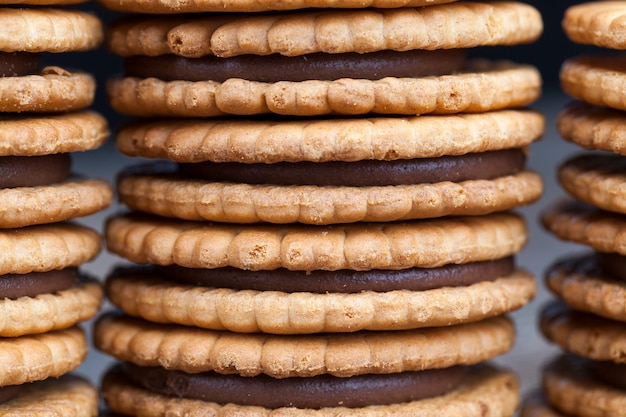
(178, 7)
(46, 247)
(52, 311)
(78, 197)
(597, 23)
(68, 396)
(37, 357)
(486, 388)
(585, 284)
(582, 223)
(53, 90)
(584, 334)
(49, 30)
(570, 388)
(596, 178)
(457, 25)
(49, 134)
(318, 140)
(598, 80)
(144, 344)
(593, 127)
(485, 85)
(145, 239)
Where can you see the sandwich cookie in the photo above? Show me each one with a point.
(288, 364)
(331, 171)
(596, 23)
(364, 252)
(332, 62)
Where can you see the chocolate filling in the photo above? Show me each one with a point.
(18, 64)
(613, 264)
(473, 166)
(31, 171)
(318, 66)
(9, 392)
(343, 281)
(610, 373)
(14, 286)
(312, 392)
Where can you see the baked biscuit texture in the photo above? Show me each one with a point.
(458, 25)
(489, 392)
(179, 7)
(593, 127)
(485, 86)
(192, 350)
(597, 23)
(146, 239)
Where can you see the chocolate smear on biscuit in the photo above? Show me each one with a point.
(610, 373)
(14, 286)
(613, 264)
(301, 392)
(343, 281)
(473, 166)
(7, 393)
(32, 171)
(318, 66)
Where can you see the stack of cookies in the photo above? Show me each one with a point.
(588, 321)
(43, 295)
(327, 228)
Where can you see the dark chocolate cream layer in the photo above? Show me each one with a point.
(14, 286)
(318, 66)
(306, 392)
(473, 166)
(613, 264)
(343, 281)
(31, 171)
(18, 64)
(610, 373)
(9, 392)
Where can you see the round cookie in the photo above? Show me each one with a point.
(37, 357)
(55, 197)
(597, 80)
(584, 334)
(465, 25)
(581, 223)
(68, 395)
(596, 23)
(597, 179)
(463, 92)
(179, 7)
(159, 190)
(593, 127)
(486, 392)
(570, 387)
(585, 285)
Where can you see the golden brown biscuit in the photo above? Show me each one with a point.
(584, 334)
(46, 247)
(489, 392)
(598, 80)
(599, 23)
(158, 300)
(596, 178)
(571, 389)
(37, 357)
(593, 127)
(162, 7)
(458, 25)
(145, 239)
(485, 86)
(68, 396)
(323, 140)
(581, 223)
(194, 350)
